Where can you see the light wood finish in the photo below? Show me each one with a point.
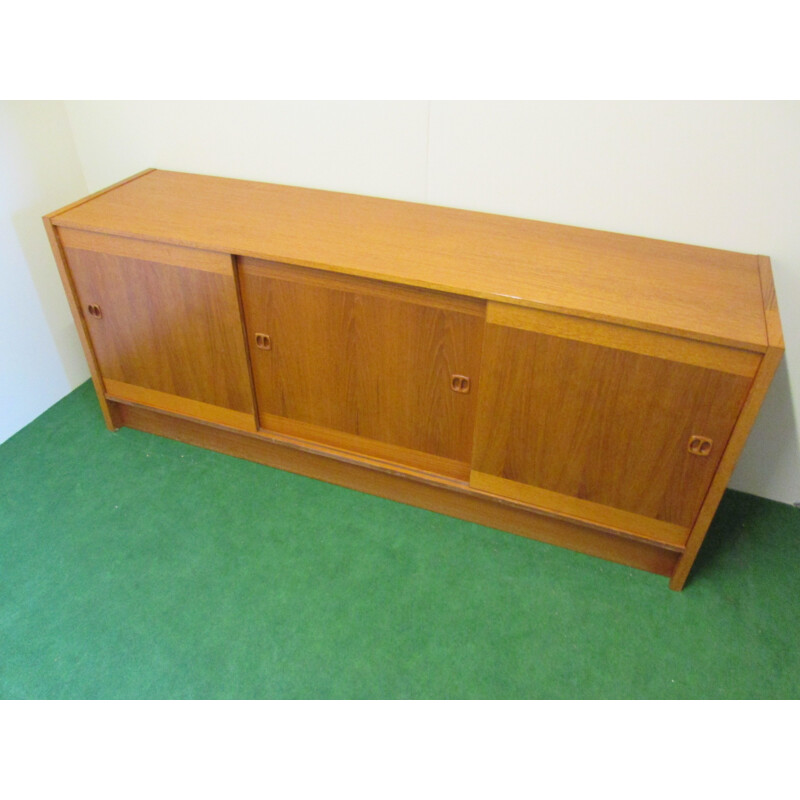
(417, 459)
(356, 364)
(126, 392)
(77, 316)
(770, 300)
(363, 286)
(618, 337)
(699, 292)
(410, 489)
(147, 251)
(54, 237)
(66, 280)
(424, 472)
(664, 533)
(164, 327)
(744, 425)
(600, 424)
(588, 389)
(242, 328)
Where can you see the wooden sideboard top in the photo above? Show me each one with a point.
(703, 293)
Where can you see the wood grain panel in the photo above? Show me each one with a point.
(128, 393)
(744, 425)
(772, 318)
(147, 251)
(363, 363)
(165, 328)
(600, 424)
(659, 345)
(80, 325)
(363, 286)
(53, 235)
(427, 462)
(704, 293)
(413, 490)
(664, 533)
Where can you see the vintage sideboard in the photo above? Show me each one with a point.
(588, 389)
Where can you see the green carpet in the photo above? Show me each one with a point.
(133, 566)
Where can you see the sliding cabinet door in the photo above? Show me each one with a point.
(381, 370)
(164, 324)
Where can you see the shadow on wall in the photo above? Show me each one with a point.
(773, 444)
(42, 173)
(35, 247)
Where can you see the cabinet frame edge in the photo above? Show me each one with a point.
(744, 424)
(109, 414)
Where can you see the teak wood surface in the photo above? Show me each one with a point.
(758, 391)
(692, 291)
(601, 425)
(542, 379)
(172, 329)
(349, 357)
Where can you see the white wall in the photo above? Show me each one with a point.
(40, 354)
(724, 175)
(374, 148)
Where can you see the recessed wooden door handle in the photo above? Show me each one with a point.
(459, 383)
(93, 310)
(700, 445)
(263, 341)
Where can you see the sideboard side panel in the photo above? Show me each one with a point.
(747, 418)
(112, 423)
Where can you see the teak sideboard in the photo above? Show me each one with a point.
(587, 389)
